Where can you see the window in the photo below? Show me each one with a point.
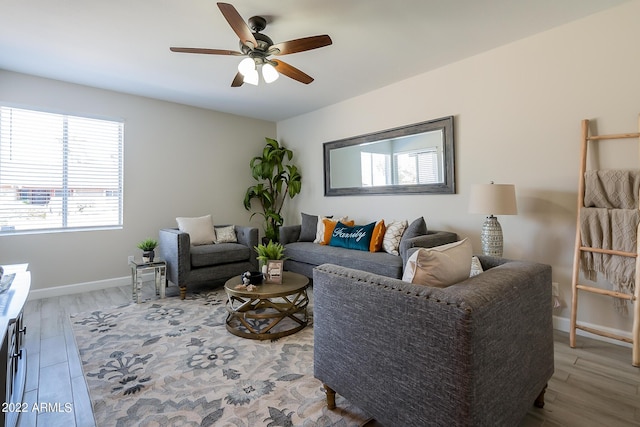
(408, 168)
(59, 172)
(418, 167)
(375, 169)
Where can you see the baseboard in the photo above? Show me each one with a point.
(77, 288)
(563, 324)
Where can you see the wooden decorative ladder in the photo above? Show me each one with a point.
(635, 298)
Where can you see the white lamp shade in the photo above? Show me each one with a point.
(251, 77)
(493, 199)
(269, 73)
(246, 66)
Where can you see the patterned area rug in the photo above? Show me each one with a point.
(169, 362)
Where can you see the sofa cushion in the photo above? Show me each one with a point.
(357, 237)
(308, 228)
(329, 225)
(226, 234)
(378, 236)
(393, 235)
(200, 229)
(374, 262)
(441, 266)
(417, 228)
(320, 229)
(221, 253)
(476, 267)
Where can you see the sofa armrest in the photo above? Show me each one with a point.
(248, 236)
(174, 247)
(289, 233)
(432, 239)
(476, 353)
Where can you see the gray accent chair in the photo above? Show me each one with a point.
(188, 264)
(477, 353)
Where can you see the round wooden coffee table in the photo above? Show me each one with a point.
(270, 311)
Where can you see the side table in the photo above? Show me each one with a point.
(159, 268)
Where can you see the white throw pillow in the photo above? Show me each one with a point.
(476, 266)
(441, 266)
(393, 235)
(319, 230)
(226, 234)
(200, 229)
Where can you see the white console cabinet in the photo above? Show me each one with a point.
(13, 355)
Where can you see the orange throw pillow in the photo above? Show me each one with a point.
(377, 237)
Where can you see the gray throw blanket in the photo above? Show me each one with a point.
(613, 189)
(610, 220)
(610, 229)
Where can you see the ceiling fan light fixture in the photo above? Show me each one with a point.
(269, 73)
(258, 47)
(246, 66)
(252, 77)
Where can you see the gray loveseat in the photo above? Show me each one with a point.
(187, 264)
(477, 353)
(303, 256)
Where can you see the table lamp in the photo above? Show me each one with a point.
(492, 199)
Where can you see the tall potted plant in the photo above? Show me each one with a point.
(277, 180)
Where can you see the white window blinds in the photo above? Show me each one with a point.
(419, 167)
(59, 171)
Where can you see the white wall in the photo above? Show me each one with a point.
(178, 161)
(517, 113)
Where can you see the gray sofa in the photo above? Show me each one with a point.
(477, 353)
(187, 264)
(302, 257)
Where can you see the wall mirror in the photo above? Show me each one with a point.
(413, 159)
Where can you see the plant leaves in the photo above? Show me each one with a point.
(275, 182)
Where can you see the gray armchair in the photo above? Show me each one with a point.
(477, 353)
(188, 264)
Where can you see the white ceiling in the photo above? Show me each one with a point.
(123, 45)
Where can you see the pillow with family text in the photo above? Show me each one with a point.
(327, 228)
(355, 237)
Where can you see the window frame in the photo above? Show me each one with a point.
(113, 125)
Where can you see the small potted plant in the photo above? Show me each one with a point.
(272, 251)
(147, 246)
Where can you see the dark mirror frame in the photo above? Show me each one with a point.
(447, 187)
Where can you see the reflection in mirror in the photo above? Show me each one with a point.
(417, 158)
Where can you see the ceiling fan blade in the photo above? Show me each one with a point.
(206, 51)
(238, 80)
(300, 45)
(292, 72)
(237, 23)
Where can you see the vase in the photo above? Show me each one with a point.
(147, 256)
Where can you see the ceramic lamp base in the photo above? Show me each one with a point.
(491, 237)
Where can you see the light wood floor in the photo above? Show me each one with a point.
(593, 385)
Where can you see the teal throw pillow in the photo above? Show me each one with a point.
(356, 237)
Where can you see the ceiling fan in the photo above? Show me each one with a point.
(258, 48)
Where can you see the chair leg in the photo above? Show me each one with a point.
(331, 397)
(539, 403)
